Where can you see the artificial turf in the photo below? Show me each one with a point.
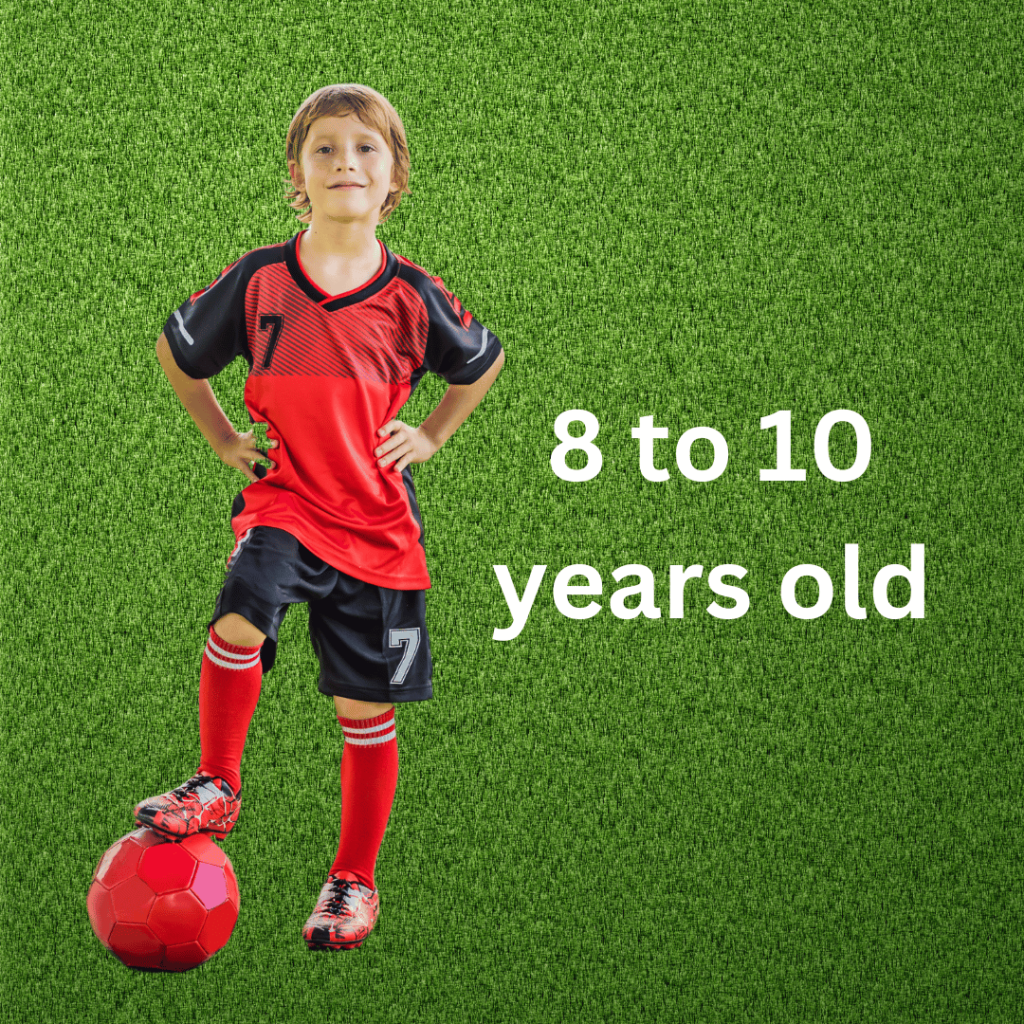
(703, 213)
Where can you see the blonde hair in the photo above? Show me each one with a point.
(375, 112)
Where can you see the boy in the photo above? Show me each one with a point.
(337, 331)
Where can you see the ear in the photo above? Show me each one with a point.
(295, 173)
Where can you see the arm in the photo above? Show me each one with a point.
(235, 450)
(197, 396)
(416, 444)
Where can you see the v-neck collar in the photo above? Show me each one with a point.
(388, 269)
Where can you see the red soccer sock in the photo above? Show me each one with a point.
(369, 776)
(229, 687)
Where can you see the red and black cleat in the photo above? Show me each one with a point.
(345, 914)
(203, 804)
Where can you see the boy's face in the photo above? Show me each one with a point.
(339, 151)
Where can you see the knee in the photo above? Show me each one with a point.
(234, 629)
(359, 709)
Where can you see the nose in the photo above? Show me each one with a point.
(346, 157)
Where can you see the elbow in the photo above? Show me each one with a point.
(495, 368)
(164, 356)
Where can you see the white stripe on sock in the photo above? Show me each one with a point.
(252, 663)
(225, 653)
(354, 731)
(370, 740)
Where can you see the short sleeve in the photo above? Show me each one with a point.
(459, 348)
(207, 331)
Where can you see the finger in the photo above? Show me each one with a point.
(402, 449)
(390, 443)
(390, 427)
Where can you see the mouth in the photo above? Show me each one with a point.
(347, 186)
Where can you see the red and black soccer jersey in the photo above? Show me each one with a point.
(326, 373)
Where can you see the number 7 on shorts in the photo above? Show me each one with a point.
(411, 639)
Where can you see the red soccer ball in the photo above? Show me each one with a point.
(163, 905)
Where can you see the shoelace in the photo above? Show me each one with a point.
(344, 898)
(196, 782)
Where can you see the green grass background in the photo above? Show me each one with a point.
(701, 212)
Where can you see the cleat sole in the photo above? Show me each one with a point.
(214, 830)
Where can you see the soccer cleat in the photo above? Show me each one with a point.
(203, 804)
(344, 915)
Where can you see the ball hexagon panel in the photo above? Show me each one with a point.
(101, 912)
(132, 900)
(220, 922)
(177, 917)
(233, 894)
(210, 885)
(119, 862)
(205, 850)
(136, 945)
(167, 867)
(183, 955)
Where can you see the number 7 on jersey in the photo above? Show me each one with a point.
(275, 322)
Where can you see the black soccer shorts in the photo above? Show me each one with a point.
(371, 641)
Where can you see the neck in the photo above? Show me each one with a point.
(348, 240)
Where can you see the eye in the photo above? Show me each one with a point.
(365, 146)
